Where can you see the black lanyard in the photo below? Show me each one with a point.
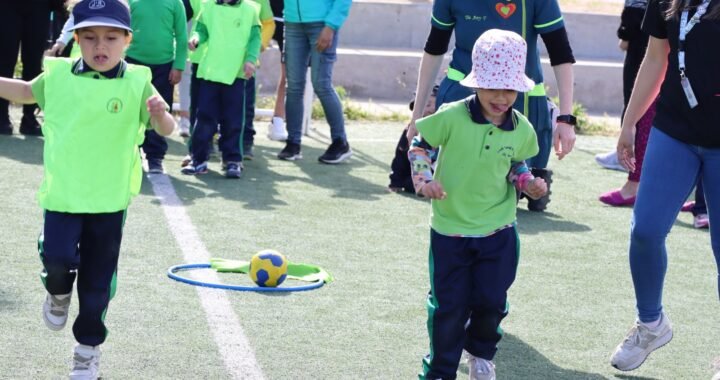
(685, 28)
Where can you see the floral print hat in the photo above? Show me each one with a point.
(498, 62)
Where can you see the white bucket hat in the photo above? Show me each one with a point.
(498, 62)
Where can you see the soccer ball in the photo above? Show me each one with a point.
(268, 268)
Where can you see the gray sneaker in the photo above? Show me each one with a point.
(86, 363)
(480, 369)
(55, 310)
(639, 342)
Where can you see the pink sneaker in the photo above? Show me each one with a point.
(615, 199)
(701, 221)
(688, 206)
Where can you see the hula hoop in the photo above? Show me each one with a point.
(185, 267)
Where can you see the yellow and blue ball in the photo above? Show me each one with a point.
(268, 268)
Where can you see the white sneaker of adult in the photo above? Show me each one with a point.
(480, 369)
(86, 363)
(639, 342)
(610, 161)
(276, 129)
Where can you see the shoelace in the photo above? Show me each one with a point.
(82, 363)
(57, 308)
(633, 337)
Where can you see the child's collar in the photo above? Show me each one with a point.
(475, 109)
(80, 67)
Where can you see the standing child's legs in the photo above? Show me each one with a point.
(469, 278)
(208, 114)
(248, 128)
(232, 100)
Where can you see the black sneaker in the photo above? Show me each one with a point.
(248, 152)
(290, 152)
(155, 166)
(336, 153)
(29, 126)
(541, 203)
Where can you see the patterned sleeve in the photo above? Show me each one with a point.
(420, 156)
(519, 175)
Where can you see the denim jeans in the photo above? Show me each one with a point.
(670, 171)
(300, 39)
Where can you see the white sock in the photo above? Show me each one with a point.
(652, 325)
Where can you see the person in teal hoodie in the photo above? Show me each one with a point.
(311, 35)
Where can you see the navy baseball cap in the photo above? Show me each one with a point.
(110, 13)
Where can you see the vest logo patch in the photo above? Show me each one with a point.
(238, 23)
(507, 152)
(505, 10)
(114, 105)
(96, 4)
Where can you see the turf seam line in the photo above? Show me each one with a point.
(233, 345)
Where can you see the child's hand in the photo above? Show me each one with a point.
(536, 188)
(249, 70)
(193, 43)
(156, 106)
(433, 190)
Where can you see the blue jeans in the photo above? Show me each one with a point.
(669, 173)
(300, 39)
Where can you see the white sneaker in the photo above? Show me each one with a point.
(184, 127)
(610, 161)
(86, 363)
(716, 369)
(55, 310)
(639, 342)
(276, 129)
(480, 369)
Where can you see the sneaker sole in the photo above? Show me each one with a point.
(292, 158)
(277, 138)
(340, 159)
(661, 341)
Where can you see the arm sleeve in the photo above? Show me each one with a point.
(253, 47)
(181, 38)
(268, 23)
(338, 13)
(66, 34)
(547, 16)
(529, 148)
(442, 15)
(438, 40)
(433, 128)
(630, 22)
(201, 31)
(654, 23)
(519, 175)
(37, 86)
(558, 47)
(419, 156)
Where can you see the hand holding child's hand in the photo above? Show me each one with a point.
(249, 70)
(156, 106)
(433, 190)
(536, 188)
(55, 50)
(193, 44)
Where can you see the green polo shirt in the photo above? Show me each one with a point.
(159, 32)
(473, 164)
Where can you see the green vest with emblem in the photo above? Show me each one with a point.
(229, 33)
(92, 131)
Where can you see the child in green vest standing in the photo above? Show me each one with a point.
(474, 246)
(92, 167)
(231, 31)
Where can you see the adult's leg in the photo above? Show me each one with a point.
(248, 130)
(9, 47)
(297, 55)
(669, 173)
(321, 67)
(34, 33)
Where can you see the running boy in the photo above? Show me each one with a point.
(474, 242)
(96, 109)
(231, 30)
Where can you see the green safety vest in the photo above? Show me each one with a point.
(229, 30)
(92, 132)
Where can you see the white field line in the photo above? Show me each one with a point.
(232, 343)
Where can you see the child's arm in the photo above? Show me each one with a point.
(421, 170)
(200, 36)
(160, 118)
(524, 181)
(16, 91)
(253, 51)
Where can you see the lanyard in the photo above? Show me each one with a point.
(685, 28)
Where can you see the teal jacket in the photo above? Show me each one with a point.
(332, 12)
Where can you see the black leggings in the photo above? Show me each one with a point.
(23, 25)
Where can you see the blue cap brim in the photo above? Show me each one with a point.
(101, 21)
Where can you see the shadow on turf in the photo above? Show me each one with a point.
(518, 360)
(28, 150)
(535, 222)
